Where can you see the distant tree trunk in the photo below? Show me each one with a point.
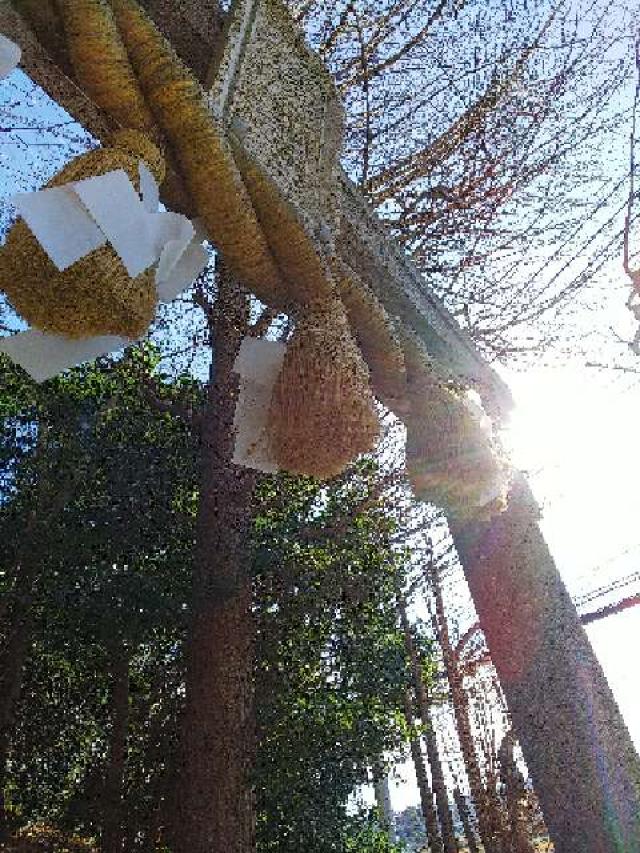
(487, 806)
(113, 836)
(433, 753)
(465, 817)
(215, 795)
(162, 751)
(163, 815)
(383, 801)
(426, 794)
(12, 663)
(515, 794)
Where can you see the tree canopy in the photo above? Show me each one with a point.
(107, 616)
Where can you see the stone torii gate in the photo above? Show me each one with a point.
(283, 121)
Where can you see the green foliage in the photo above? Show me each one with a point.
(410, 829)
(370, 839)
(109, 474)
(331, 665)
(109, 484)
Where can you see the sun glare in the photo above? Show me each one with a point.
(575, 436)
(575, 433)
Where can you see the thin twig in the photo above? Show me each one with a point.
(634, 275)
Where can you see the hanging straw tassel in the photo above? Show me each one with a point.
(452, 460)
(95, 295)
(322, 414)
(377, 339)
(140, 147)
(179, 105)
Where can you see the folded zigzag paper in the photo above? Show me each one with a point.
(259, 363)
(72, 221)
(10, 55)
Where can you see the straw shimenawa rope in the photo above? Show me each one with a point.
(323, 413)
(101, 66)
(179, 105)
(452, 460)
(377, 339)
(307, 273)
(95, 295)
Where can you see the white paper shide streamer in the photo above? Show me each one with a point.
(71, 221)
(258, 364)
(10, 55)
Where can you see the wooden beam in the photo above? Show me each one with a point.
(37, 63)
(194, 28)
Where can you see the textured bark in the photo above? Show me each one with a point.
(215, 798)
(433, 752)
(426, 794)
(383, 801)
(584, 767)
(515, 794)
(12, 663)
(487, 805)
(439, 787)
(113, 835)
(465, 817)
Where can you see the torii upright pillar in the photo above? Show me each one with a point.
(577, 747)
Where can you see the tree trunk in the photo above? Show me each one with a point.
(578, 750)
(426, 794)
(215, 796)
(162, 751)
(488, 808)
(515, 794)
(383, 801)
(113, 836)
(12, 663)
(465, 818)
(433, 753)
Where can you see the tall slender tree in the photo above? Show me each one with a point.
(488, 807)
(433, 752)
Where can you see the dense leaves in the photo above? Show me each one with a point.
(331, 667)
(105, 610)
(111, 576)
